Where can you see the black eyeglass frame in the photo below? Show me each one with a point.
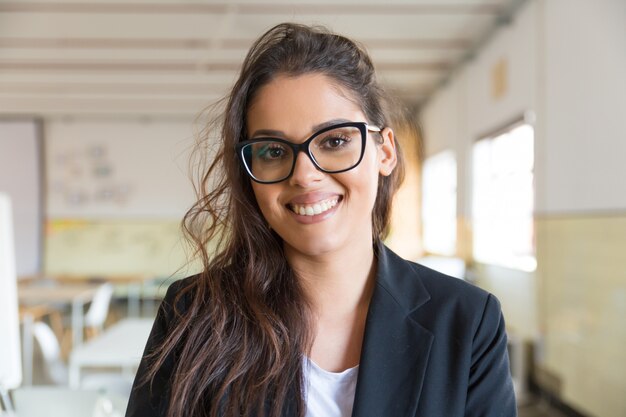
(304, 147)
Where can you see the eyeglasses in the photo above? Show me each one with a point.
(333, 149)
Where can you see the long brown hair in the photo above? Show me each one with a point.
(239, 343)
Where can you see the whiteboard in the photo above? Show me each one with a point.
(98, 170)
(10, 359)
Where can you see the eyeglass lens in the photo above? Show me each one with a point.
(333, 150)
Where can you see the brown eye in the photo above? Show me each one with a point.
(334, 142)
(271, 152)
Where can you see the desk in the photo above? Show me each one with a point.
(75, 295)
(54, 401)
(121, 345)
(38, 300)
(134, 282)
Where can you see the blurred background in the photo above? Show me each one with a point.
(515, 181)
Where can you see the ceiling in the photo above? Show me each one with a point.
(167, 58)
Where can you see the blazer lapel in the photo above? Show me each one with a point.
(396, 348)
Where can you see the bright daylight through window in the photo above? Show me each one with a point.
(503, 199)
(439, 204)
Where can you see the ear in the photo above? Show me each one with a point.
(387, 158)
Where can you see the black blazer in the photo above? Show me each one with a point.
(434, 346)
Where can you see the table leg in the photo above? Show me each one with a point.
(134, 300)
(74, 376)
(77, 322)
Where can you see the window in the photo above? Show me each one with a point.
(503, 199)
(439, 203)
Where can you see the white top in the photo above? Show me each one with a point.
(329, 394)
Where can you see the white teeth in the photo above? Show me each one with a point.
(314, 209)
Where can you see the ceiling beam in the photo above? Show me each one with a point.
(181, 66)
(82, 88)
(273, 8)
(125, 88)
(505, 17)
(201, 44)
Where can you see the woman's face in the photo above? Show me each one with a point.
(293, 108)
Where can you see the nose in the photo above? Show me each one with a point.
(305, 172)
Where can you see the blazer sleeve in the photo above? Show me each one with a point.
(490, 388)
(151, 398)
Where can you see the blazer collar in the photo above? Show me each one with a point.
(396, 347)
(398, 278)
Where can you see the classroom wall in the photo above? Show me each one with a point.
(585, 105)
(117, 168)
(116, 192)
(20, 158)
(564, 62)
(582, 225)
(465, 110)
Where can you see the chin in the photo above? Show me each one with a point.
(312, 246)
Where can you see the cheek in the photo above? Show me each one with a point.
(266, 197)
(362, 187)
(370, 175)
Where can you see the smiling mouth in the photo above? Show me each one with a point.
(315, 208)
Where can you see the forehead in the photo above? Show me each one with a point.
(294, 105)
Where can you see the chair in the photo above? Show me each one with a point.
(93, 320)
(51, 352)
(115, 384)
(98, 310)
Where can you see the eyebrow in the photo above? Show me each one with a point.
(281, 134)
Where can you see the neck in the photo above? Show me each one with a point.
(337, 283)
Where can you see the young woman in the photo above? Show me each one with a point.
(301, 310)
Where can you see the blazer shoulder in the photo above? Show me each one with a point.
(413, 285)
(442, 285)
(454, 294)
(178, 297)
(178, 284)
(455, 305)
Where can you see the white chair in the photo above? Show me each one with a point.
(92, 322)
(99, 309)
(115, 384)
(56, 370)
